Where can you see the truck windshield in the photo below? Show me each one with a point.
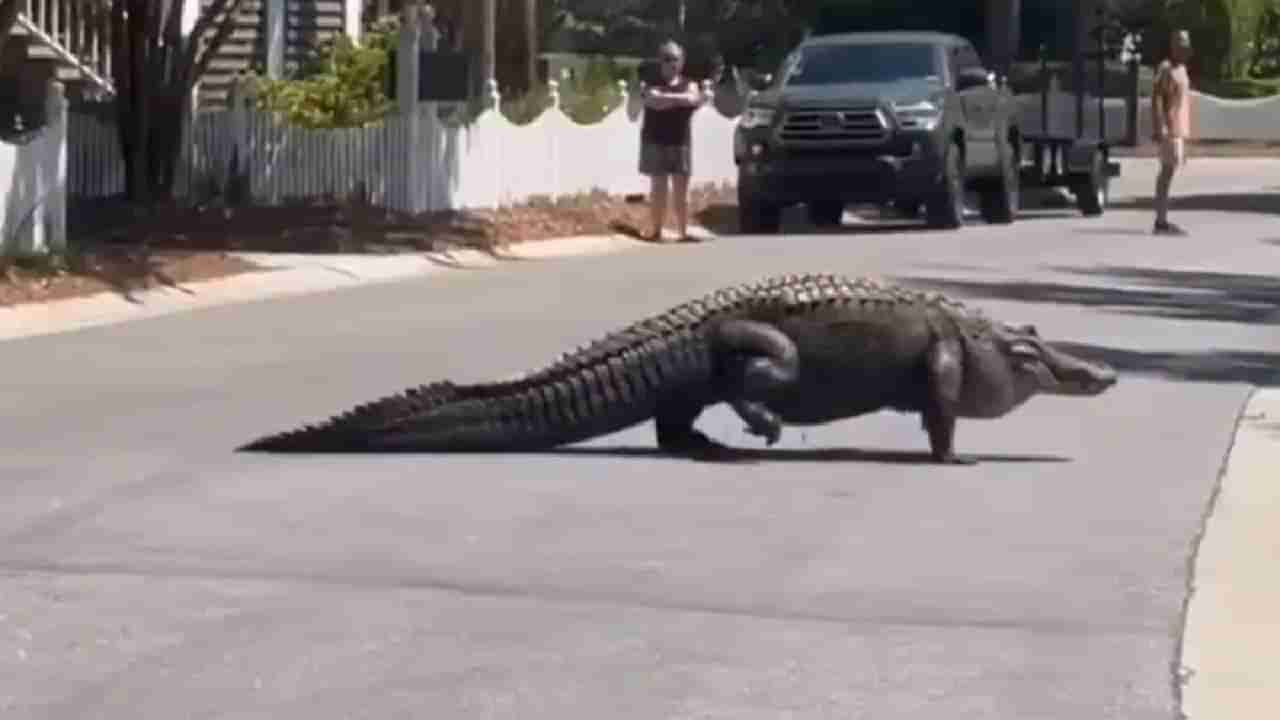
(866, 62)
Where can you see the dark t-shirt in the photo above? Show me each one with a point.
(672, 126)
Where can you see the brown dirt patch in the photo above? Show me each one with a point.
(119, 270)
(124, 249)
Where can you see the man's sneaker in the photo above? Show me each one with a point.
(1168, 228)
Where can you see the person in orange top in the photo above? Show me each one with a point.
(1171, 123)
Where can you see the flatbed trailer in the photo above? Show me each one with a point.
(1082, 165)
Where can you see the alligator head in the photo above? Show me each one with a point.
(1009, 364)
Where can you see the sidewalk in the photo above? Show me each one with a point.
(1231, 643)
(285, 275)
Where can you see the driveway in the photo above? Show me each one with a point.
(147, 571)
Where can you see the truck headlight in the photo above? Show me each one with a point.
(921, 115)
(754, 117)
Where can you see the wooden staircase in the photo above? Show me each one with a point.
(305, 24)
(64, 39)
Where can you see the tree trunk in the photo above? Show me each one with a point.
(531, 42)
(8, 15)
(155, 70)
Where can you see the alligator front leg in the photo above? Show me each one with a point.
(946, 378)
(759, 360)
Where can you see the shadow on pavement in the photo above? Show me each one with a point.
(1212, 366)
(819, 454)
(1256, 202)
(1168, 294)
(723, 220)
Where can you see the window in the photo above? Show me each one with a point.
(863, 62)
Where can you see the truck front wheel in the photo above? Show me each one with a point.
(826, 213)
(946, 206)
(756, 213)
(1000, 196)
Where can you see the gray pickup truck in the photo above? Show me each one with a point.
(892, 118)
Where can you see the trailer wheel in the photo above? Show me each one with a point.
(1092, 193)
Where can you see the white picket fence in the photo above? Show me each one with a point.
(33, 173)
(419, 162)
(414, 161)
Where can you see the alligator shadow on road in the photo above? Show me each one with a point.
(734, 454)
(1233, 298)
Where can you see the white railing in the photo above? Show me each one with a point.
(76, 31)
(33, 173)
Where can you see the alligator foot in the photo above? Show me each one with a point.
(760, 420)
(693, 443)
(953, 459)
(677, 436)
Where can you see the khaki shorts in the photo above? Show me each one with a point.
(1173, 152)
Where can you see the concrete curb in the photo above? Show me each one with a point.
(285, 275)
(1231, 642)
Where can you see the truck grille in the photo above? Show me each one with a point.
(827, 125)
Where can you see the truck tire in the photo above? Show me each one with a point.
(945, 207)
(1092, 191)
(1001, 197)
(756, 214)
(826, 213)
(907, 207)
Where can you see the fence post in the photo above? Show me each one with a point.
(51, 229)
(493, 103)
(184, 174)
(429, 133)
(232, 186)
(275, 10)
(407, 104)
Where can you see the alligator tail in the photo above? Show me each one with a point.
(561, 405)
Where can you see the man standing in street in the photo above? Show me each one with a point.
(1171, 124)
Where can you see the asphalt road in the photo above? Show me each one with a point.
(147, 571)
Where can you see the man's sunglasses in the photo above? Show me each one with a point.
(670, 59)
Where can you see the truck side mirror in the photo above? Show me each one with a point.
(972, 77)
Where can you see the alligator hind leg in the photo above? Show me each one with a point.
(759, 360)
(676, 433)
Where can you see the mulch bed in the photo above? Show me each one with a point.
(124, 250)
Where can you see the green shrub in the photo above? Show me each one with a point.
(1242, 88)
(339, 84)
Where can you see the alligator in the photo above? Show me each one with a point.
(796, 349)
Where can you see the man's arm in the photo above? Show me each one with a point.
(1157, 114)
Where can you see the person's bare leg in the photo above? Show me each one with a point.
(680, 187)
(657, 205)
(1170, 159)
(1164, 181)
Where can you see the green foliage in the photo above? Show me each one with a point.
(1243, 88)
(340, 84)
(1265, 62)
(586, 98)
